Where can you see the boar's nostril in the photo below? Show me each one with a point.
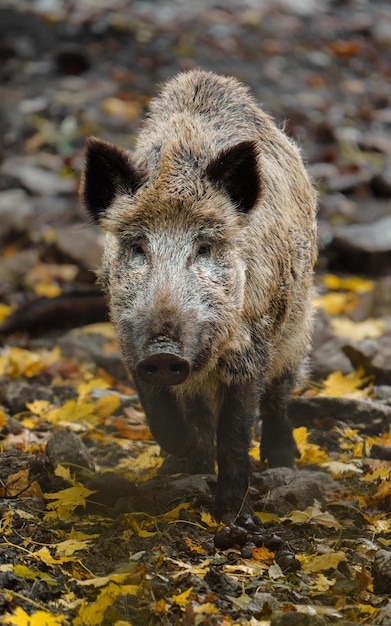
(163, 369)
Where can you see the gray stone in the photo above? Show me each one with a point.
(374, 356)
(67, 449)
(15, 209)
(381, 572)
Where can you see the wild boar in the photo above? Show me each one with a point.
(208, 263)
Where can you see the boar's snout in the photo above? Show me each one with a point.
(163, 369)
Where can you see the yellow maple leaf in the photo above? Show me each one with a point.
(371, 328)
(39, 618)
(208, 608)
(20, 362)
(254, 451)
(38, 407)
(181, 599)
(350, 283)
(321, 562)
(106, 405)
(44, 555)
(322, 583)
(86, 387)
(379, 472)
(93, 614)
(210, 521)
(66, 501)
(29, 574)
(309, 452)
(70, 546)
(73, 411)
(267, 518)
(48, 290)
(348, 386)
(336, 303)
(5, 311)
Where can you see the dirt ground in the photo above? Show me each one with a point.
(95, 529)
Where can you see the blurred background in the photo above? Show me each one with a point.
(72, 69)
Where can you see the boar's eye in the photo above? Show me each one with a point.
(203, 250)
(137, 251)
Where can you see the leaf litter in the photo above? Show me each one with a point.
(137, 547)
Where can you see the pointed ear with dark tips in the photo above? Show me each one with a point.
(107, 172)
(236, 170)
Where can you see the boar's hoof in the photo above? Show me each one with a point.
(163, 369)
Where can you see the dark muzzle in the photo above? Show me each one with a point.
(163, 369)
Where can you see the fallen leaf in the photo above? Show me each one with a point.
(263, 554)
(338, 469)
(348, 386)
(181, 599)
(21, 485)
(194, 548)
(336, 303)
(93, 614)
(66, 501)
(369, 329)
(309, 452)
(39, 618)
(321, 562)
(363, 579)
(350, 283)
(47, 290)
(312, 515)
(5, 311)
(322, 583)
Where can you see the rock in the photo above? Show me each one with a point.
(15, 267)
(382, 392)
(383, 618)
(294, 618)
(38, 180)
(381, 452)
(15, 209)
(81, 245)
(109, 487)
(329, 358)
(373, 355)
(263, 604)
(67, 449)
(363, 248)
(16, 393)
(369, 415)
(381, 572)
(382, 297)
(381, 183)
(300, 490)
(90, 347)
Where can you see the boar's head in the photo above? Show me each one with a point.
(174, 263)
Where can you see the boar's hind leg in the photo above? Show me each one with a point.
(277, 443)
(186, 433)
(233, 441)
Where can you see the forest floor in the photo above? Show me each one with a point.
(91, 532)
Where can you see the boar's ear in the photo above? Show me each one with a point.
(107, 172)
(236, 170)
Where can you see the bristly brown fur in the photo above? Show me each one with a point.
(210, 248)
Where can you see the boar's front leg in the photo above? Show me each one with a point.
(183, 430)
(233, 441)
(277, 444)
